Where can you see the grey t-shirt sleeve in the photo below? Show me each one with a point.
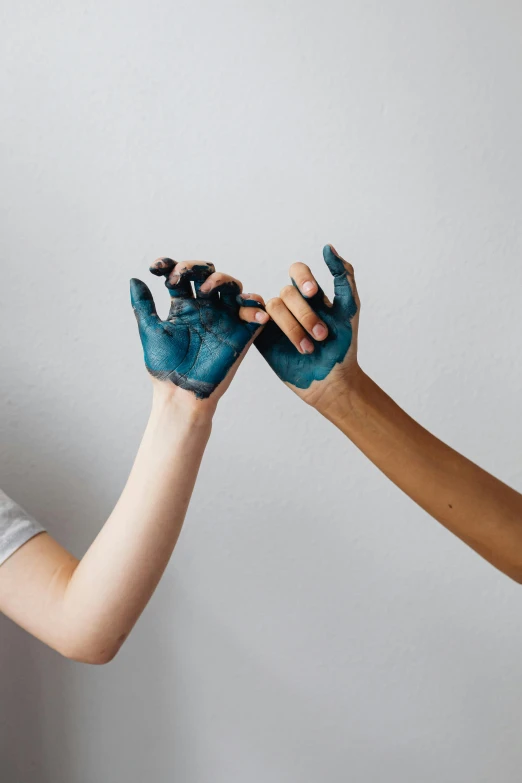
(16, 527)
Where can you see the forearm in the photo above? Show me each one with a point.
(86, 609)
(112, 584)
(483, 511)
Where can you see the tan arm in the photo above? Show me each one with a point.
(478, 508)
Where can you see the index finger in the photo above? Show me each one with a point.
(303, 279)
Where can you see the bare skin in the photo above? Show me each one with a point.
(482, 511)
(86, 609)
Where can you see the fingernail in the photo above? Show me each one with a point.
(204, 288)
(319, 331)
(307, 287)
(261, 317)
(306, 345)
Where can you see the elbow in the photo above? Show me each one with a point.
(92, 657)
(86, 651)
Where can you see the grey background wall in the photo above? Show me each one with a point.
(313, 624)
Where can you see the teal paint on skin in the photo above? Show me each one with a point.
(242, 302)
(203, 335)
(302, 370)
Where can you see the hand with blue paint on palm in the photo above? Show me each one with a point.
(311, 343)
(199, 346)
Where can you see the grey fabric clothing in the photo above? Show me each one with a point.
(16, 527)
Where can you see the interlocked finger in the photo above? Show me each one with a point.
(252, 309)
(185, 272)
(288, 324)
(303, 312)
(220, 285)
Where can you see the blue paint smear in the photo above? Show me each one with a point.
(200, 340)
(249, 302)
(301, 370)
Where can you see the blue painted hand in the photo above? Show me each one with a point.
(207, 330)
(310, 340)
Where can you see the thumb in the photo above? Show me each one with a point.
(344, 281)
(142, 303)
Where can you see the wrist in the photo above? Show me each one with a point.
(345, 395)
(170, 403)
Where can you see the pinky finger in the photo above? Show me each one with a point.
(252, 309)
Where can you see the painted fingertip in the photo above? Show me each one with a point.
(261, 317)
(162, 267)
(139, 290)
(329, 250)
(306, 345)
(333, 261)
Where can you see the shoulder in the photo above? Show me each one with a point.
(16, 526)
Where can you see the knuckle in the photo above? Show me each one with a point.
(162, 263)
(294, 331)
(286, 291)
(309, 320)
(274, 304)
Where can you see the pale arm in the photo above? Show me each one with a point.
(86, 609)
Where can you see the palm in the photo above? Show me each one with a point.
(201, 339)
(301, 370)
